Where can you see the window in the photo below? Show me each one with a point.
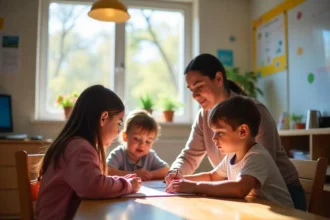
(146, 55)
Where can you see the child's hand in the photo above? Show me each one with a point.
(144, 174)
(172, 176)
(131, 175)
(136, 183)
(184, 186)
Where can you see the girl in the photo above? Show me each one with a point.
(74, 166)
(206, 78)
(135, 154)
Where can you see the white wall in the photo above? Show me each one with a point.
(260, 7)
(218, 20)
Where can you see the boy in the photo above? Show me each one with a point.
(135, 154)
(248, 168)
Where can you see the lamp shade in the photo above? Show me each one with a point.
(109, 10)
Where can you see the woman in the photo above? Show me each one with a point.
(206, 79)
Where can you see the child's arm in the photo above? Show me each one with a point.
(205, 176)
(252, 175)
(158, 168)
(116, 172)
(160, 173)
(83, 173)
(227, 188)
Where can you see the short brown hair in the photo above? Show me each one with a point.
(236, 111)
(141, 119)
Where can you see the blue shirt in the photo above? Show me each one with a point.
(118, 159)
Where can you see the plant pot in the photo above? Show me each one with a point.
(168, 116)
(299, 126)
(67, 112)
(149, 111)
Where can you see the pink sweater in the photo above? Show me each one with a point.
(78, 176)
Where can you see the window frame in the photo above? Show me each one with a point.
(118, 75)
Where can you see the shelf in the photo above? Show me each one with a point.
(302, 132)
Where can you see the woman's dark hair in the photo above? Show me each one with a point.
(84, 122)
(209, 65)
(236, 111)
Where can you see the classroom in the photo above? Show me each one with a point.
(157, 56)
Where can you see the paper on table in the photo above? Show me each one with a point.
(154, 184)
(156, 192)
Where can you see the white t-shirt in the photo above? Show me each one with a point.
(258, 163)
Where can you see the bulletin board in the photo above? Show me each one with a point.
(270, 39)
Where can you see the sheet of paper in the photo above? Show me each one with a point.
(156, 192)
(154, 184)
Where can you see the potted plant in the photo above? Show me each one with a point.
(247, 81)
(147, 103)
(67, 102)
(297, 121)
(168, 106)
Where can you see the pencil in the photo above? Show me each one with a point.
(176, 175)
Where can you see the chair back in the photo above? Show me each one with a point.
(312, 177)
(28, 186)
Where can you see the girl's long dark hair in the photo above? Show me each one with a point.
(209, 65)
(84, 122)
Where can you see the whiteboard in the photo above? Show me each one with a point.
(309, 57)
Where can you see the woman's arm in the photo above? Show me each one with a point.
(193, 153)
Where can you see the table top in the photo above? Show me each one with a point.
(181, 207)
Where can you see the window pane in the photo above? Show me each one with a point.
(80, 51)
(154, 54)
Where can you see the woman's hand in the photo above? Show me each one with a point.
(172, 176)
(182, 185)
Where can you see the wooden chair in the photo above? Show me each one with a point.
(312, 177)
(27, 189)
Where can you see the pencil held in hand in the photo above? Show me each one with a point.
(176, 174)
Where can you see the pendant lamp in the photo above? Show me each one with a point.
(109, 10)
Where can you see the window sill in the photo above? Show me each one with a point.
(47, 122)
(62, 122)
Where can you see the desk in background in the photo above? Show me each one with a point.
(9, 208)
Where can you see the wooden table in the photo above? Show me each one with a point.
(179, 207)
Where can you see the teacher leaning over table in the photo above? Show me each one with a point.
(206, 79)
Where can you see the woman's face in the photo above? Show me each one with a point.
(205, 91)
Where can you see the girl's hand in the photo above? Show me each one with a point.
(182, 185)
(136, 183)
(144, 174)
(131, 175)
(172, 176)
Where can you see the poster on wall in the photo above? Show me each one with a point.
(226, 57)
(270, 40)
(9, 54)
